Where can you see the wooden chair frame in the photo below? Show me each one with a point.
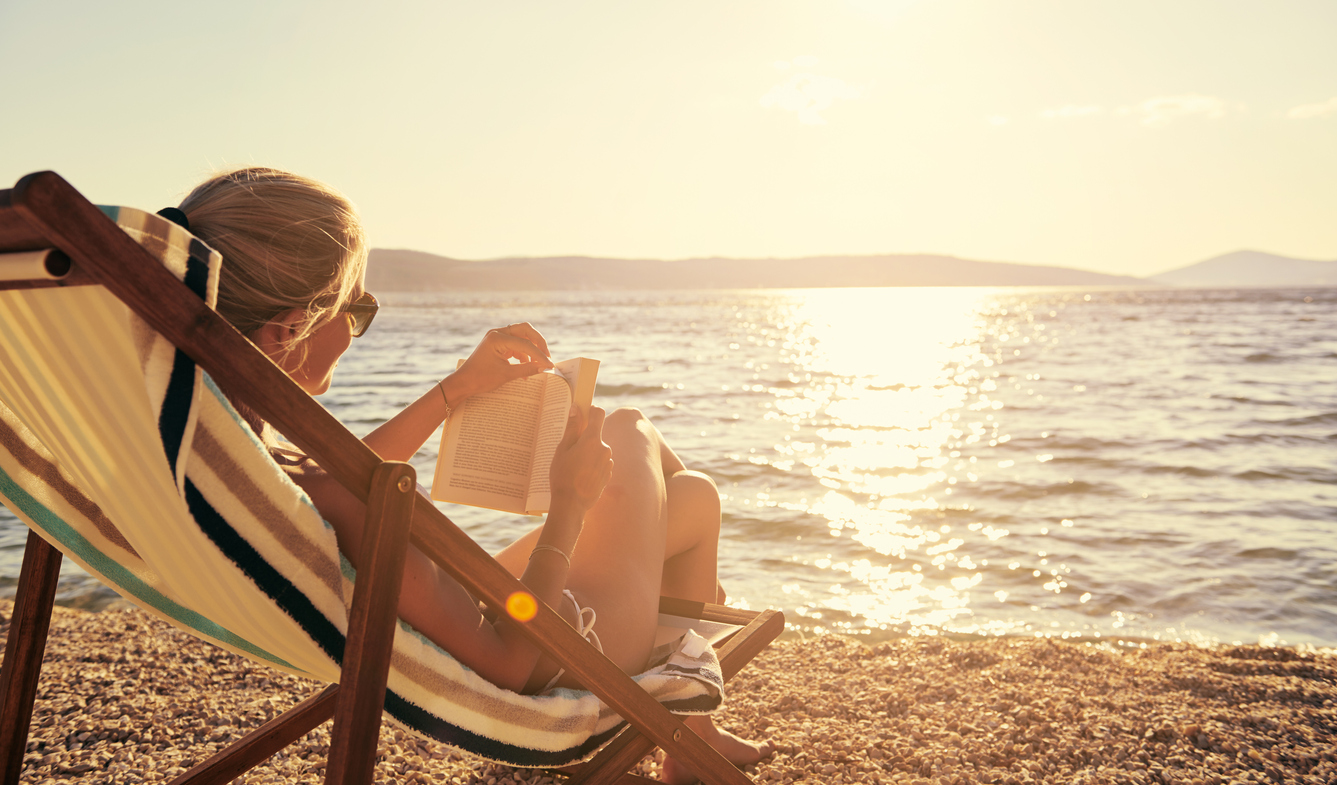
(44, 211)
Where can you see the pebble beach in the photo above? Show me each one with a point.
(125, 698)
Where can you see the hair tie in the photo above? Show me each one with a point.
(177, 217)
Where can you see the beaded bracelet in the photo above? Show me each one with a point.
(552, 548)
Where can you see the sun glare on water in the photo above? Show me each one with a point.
(894, 380)
(1026, 461)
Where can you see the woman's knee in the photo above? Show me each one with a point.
(696, 484)
(629, 429)
(625, 418)
(637, 473)
(695, 496)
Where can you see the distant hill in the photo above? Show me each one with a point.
(1251, 268)
(399, 270)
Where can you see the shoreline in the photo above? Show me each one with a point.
(125, 698)
(108, 600)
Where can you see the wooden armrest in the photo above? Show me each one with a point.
(706, 611)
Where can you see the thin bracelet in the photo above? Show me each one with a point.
(552, 548)
(444, 398)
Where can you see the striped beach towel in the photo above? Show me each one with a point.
(121, 453)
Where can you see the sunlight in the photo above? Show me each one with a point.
(890, 337)
(891, 373)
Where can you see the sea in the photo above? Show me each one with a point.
(1117, 466)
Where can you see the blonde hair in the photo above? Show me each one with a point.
(288, 243)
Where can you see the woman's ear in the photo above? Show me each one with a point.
(275, 336)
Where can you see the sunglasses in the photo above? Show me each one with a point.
(360, 313)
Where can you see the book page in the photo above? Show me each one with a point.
(551, 428)
(488, 449)
(499, 445)
(581, 373)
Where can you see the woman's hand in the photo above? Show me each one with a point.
(582, 464)
(490, 366)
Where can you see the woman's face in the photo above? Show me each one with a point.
(323, 350)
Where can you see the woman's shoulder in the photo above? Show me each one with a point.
(337, 505)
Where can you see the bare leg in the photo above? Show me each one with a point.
(618, 561)
(691, 544)
(690, 573)
(513, 556)
(655, 530)
(693, 527)
(692, 548)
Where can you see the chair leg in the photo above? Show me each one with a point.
(257, 746)
(371, 625)
(612, 762)
(23, 651)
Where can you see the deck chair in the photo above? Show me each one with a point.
(119, 448)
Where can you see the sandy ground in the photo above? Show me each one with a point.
(126, 699)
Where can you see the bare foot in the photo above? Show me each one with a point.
(739, 752)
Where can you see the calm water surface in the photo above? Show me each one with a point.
(1121, 465)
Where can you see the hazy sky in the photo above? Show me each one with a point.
(1124, 136)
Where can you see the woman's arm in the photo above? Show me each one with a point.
(489, 367)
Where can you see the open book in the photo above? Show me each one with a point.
(497, 447)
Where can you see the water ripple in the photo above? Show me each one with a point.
(1079, 462)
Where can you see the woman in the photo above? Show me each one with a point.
(628, 522)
